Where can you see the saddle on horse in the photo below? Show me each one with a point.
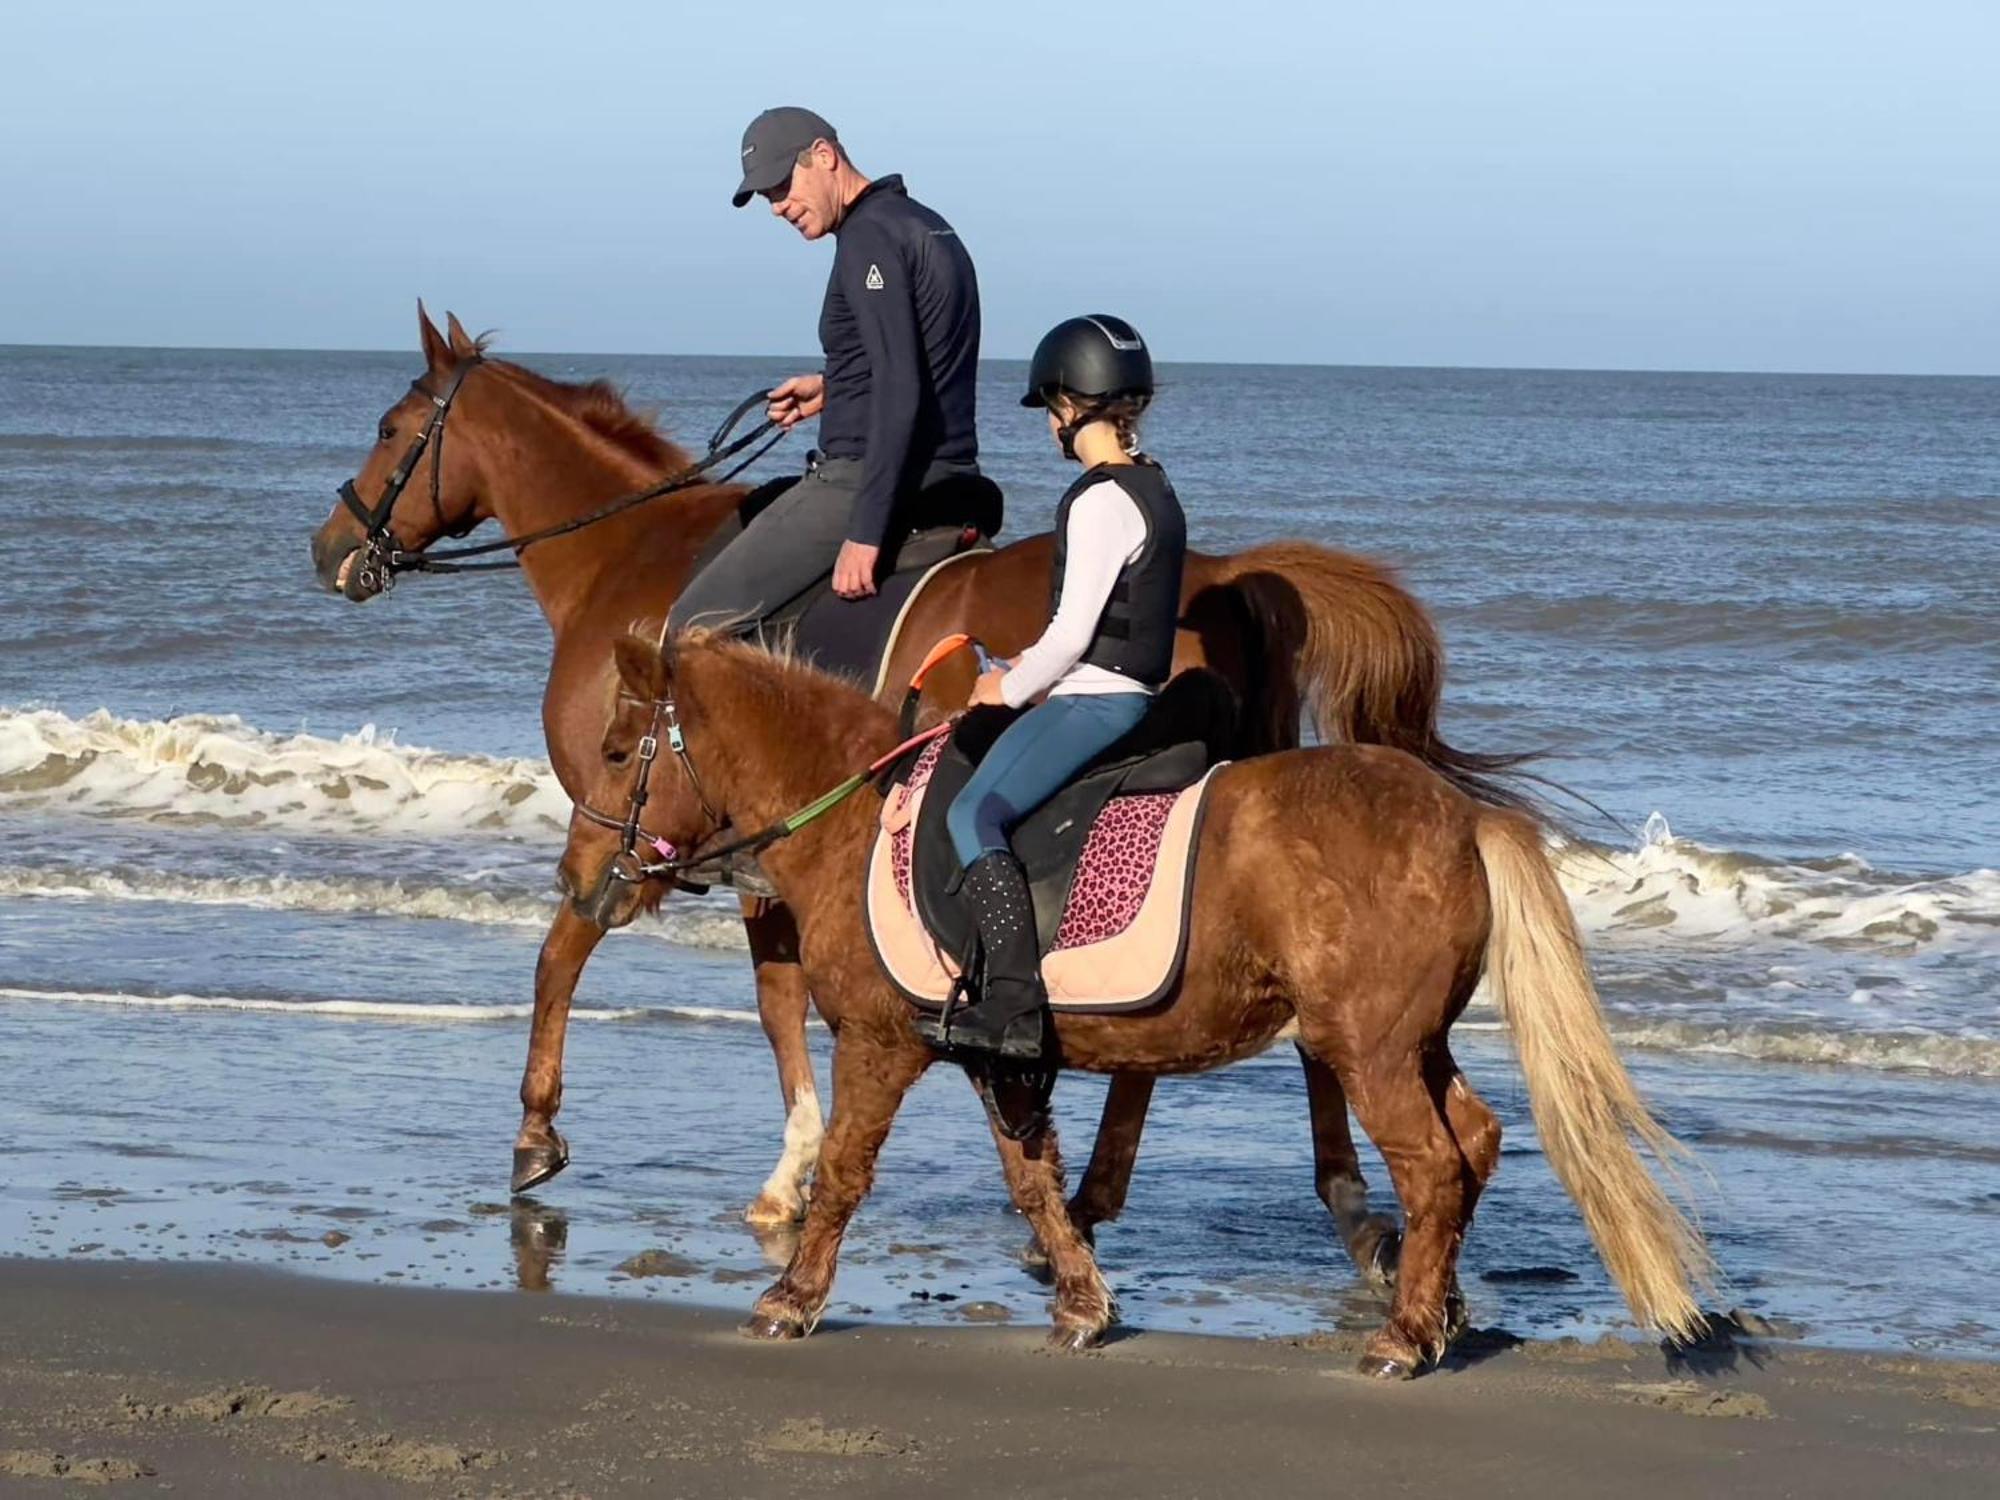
(1109, 859)
(853, 638)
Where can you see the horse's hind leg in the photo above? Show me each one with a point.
(1393, 1100)
(782, 1002)
(539, 1151)
(872, 1071)
(1372, 1239)
(1083, 1306)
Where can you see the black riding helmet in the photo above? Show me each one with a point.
(1096, 356)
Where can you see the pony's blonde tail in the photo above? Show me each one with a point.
(1585, 1106)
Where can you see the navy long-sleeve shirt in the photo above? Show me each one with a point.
(900, 329)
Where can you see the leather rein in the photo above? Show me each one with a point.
(381, 560)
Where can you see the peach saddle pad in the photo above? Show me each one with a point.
(1123, 931)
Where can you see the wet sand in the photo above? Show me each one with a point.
(230, 1382)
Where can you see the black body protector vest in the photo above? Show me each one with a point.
(1135, 634)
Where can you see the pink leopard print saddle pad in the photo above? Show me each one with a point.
(1123, 929)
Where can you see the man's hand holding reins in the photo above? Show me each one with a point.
(796, 400)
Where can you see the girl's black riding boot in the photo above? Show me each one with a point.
(1008, 1018)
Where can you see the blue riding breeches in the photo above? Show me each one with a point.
(1033, 760)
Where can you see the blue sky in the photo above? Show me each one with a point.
(1761, 184)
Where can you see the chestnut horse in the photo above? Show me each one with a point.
(1291, 625)
(1348, 889)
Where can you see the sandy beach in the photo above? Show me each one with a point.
(231, 1382)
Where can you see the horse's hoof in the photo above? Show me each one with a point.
(769, 1211)
(1380, 1367)
(1035, 1261)
(773, 1328)
(1457, 1317)
(1075, 1338)
(1384, 1257)
(535, 1165)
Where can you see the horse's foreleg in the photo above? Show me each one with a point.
(782, 1002)
(1034, 1171)
(1372, 1239)
(873, 1069)
(1100, 1196)
(539, 1152)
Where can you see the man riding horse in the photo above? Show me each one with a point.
(895, 401)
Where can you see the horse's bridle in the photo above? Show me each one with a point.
(373, 571)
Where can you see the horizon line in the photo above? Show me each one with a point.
(1293, 364)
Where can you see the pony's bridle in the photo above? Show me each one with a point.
(627, 864)
(373, 572)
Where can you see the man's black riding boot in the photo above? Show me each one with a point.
(1008, 1018)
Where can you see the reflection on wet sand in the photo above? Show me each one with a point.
(539, 1234)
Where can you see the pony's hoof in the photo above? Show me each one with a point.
(535, 1165)
(773, 1327)
(1075, 1338)
(1381, 1367)
(1035, 1261)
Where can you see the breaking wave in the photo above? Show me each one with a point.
(374, 1010)
(691, 922)
(1673, 889)
(1896, 1051)
(219, 772)
(211, 771)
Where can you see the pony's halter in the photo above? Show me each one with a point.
(372, 570)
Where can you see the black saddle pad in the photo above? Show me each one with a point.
(848, 637)
(1189, 727)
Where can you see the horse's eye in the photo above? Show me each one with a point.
(385, 432)
(618, 757)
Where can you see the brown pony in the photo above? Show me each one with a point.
(1349, 889)
(1292, 625)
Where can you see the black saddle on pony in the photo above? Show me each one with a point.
(848, 637)
(1190, 726)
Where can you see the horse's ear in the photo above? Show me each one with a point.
(463, 345)
(640, 667)
(437, 353)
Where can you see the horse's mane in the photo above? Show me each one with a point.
(602, 407)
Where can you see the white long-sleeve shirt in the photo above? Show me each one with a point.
(1106, 533)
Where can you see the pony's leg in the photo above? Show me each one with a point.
(1477, 1130)
(1100, 1197)
(782, 1002)
(1372, 1239)
(539, 1151)
(1395, 1106)
(1034, 1171)
(1392, 1099)
(872, 1070)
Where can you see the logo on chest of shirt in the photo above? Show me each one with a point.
(874, 281)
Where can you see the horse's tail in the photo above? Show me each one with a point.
(1585, 1105)
(1364, 661)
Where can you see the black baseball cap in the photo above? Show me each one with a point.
(771, 148)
